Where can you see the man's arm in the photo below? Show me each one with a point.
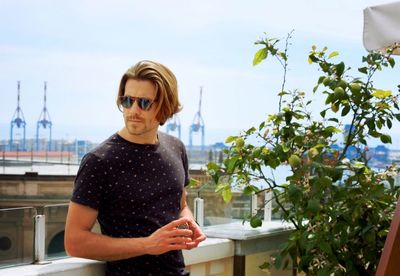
(81, 242)
(198, 235)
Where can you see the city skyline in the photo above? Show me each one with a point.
(206, 44)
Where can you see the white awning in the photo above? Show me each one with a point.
(382, 26)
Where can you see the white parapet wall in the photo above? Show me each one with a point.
(212, 257)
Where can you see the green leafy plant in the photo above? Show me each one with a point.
(339, 206)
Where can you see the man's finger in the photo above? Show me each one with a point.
(175, 223)
(182, 232)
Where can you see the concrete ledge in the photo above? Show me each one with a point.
(209, 250)
(63, 267)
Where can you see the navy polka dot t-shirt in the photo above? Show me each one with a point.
(136, 189)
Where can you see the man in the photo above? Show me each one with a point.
(134, 185)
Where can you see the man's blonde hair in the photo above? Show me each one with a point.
(166, 87)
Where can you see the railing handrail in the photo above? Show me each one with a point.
(17, 208)
(55, 205)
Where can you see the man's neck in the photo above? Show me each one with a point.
(146, 138)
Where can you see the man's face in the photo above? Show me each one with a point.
(141, 124)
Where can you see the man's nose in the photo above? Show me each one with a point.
(135, 107)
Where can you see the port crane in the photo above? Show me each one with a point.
(19, 122)
(44, 122)
(197, 125)
(174, 124)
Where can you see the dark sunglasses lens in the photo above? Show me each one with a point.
(144, 103)
(126, 102)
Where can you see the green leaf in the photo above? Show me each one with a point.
(333, 54)
(363, 70)
(221, 187)
(339, 69)
(321, 79)
(251, 130)
(312, 58)
(370, 236)
(231, 163)
(259, 56)
(381, 94)
(227, 194)
(370, 123)
(283, 93)
(325, 181)
(295, 193)
(193, 183)
(374, 133)
(333, 129)
(284, 57)
(230, 139)
(389, 123)
(213, 166)
(324, 271)
(265, 265)
(278, 261)
(225, 190)
(330, 98)
(326, 247)
(391, 62)
(250, 189)
(313, 205)
(345, 110)
(379, 124)
(386, 139)
(285, 148)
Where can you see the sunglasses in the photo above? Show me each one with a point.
(143, 103)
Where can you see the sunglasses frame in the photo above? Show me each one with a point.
(141, 101)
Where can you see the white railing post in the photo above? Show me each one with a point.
(268, 206)
(39, 239)
(199, 211)
(254, 205)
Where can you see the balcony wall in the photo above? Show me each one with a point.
(213, 257)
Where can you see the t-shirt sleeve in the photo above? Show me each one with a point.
(90, 182)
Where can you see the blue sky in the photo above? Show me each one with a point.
(81, 48)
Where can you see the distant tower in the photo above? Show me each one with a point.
(197, 125)
(174, 124)
(44, 122)
(18, 120)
